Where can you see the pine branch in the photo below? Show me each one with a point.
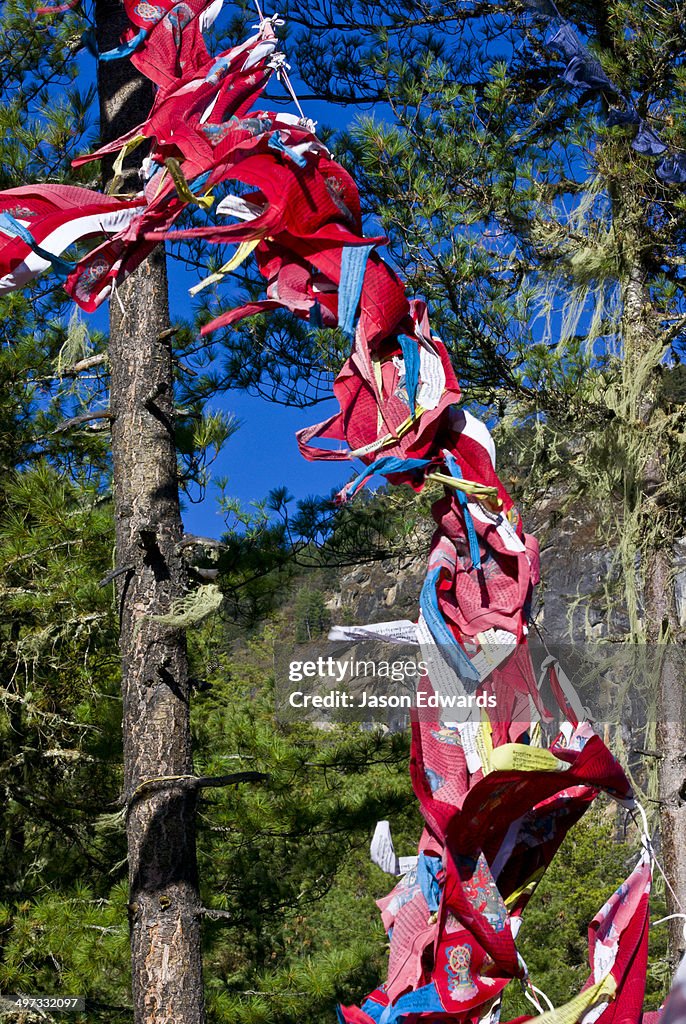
(192, 782)
(84, 364)
(86, 417)
(218, 781)
(111, 576)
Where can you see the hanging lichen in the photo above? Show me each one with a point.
(193, 609)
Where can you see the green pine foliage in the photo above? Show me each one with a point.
(64, 927)
(63, 912)
(550, 252)
(312, 615)
(286, 860)
(45, 111)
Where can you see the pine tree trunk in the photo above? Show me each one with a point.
(671, 742)
(164, 900)
(661, 627)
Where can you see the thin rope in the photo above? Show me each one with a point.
(668, 883)
(645, 831)
(651, 851)
(115, 292)
(532, 996)
(283, 75)
(671, 917)
(540, 991)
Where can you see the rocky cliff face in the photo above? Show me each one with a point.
(580, 580)
(380, 591)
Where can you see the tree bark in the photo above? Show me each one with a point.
(164, 899)
(671, 742)
(645, 475)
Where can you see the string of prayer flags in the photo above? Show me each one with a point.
(496, 802)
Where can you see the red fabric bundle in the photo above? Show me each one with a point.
(193, 110)
(618, 943)
(174, 47)
(495, 595)
(465, 974)
(502, 797)
(374, 417)
(473, 899)
(297, 202)
(113, 260)
(438, 768)
(57, 216)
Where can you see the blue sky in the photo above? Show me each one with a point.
(261, 455)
